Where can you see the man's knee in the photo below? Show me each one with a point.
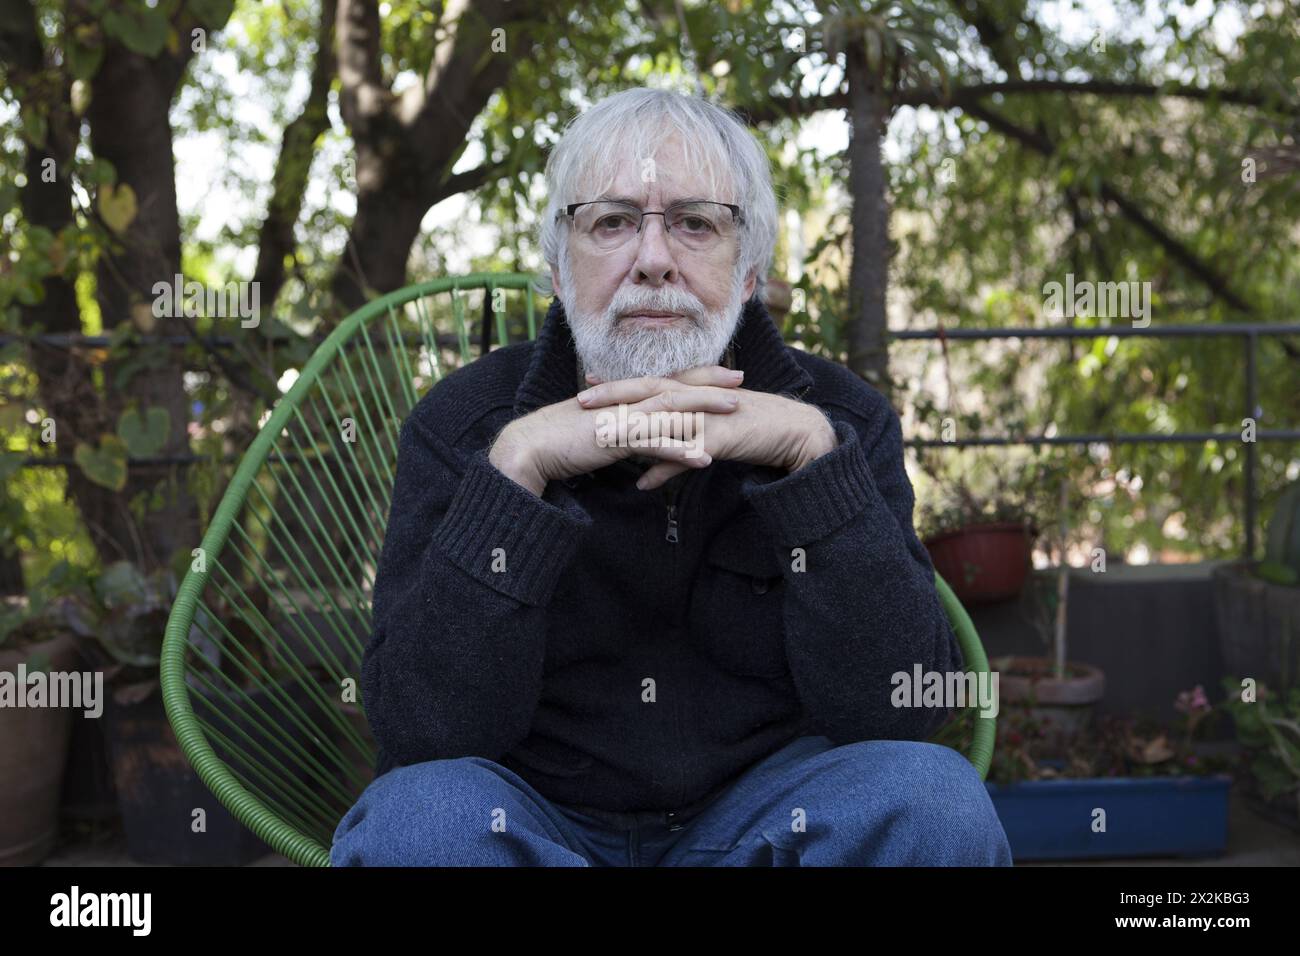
(436, 813)
(937, 807)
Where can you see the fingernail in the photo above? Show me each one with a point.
(583, 396)
(641, 483)
(737, 374)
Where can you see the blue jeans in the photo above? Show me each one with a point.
(810, 803)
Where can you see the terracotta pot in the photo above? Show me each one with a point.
(983, 563)
(33, 753)
(158, 790)
(1063, 706)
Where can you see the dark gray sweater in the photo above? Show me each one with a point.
(617, 670)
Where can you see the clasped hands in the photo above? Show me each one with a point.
(726, 422)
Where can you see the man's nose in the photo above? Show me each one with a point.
(655, 263)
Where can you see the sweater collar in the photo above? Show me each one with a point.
(756, 348)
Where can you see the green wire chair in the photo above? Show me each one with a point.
(263, 646)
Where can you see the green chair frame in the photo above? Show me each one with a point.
(265, 637)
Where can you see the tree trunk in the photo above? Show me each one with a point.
(407, 143)
(130, 128)
(869, 267)
(276, 241)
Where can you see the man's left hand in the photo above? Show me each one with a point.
(764, 429)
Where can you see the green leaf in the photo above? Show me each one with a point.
(13, 417)
(1277, 573)
(102, 172)
(29, 293)
(120, 584)
(144, 435)
(105, 465)
(11, 618)
(10, 463)
(35, 128)
(213, 14)
(139, 360)
(84, 58)
(117, 206)
(141, 31)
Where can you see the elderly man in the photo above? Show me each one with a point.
(603, 644)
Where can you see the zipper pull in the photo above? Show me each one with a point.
(671, 535)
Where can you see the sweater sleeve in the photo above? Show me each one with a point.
(863, 606)
(470, 560)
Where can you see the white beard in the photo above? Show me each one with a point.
(613, 350)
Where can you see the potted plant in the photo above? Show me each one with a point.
(1129, 788)
(1257, 603)
(1057, 694)
(33, 739)
(983, 545)
(1268, 729)
(983, 554)
(123, 614)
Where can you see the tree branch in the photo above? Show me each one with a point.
(1177, 249)
(364, 96)
(964, 95)
(297, 148)
(465, 70)
(775, 108)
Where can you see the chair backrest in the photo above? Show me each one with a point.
(262, 654)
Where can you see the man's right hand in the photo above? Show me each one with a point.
(560, 440)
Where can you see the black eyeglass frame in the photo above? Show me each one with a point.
(735, 210)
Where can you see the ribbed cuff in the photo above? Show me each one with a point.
(505, 536)
(820, 497)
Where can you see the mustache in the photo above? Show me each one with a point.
(625, 304)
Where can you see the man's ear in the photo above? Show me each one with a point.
(751, 278)
(555, 283)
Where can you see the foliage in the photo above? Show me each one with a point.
(36, 618)
(1269, 730)
(122, 610)
(1112, 746)
(1134, 187)
(1281, 564)
(1026, 497)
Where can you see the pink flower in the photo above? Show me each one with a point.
(1192, 701)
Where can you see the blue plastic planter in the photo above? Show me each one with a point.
(1145, 816)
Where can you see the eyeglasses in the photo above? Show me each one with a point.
(606, 225)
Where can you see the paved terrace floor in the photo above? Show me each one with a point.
(1253, 840)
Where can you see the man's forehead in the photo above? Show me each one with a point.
(667, 176)
(637, 182)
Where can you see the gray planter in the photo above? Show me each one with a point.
(1259, 625)
(1061, 707)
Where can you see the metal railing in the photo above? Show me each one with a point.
(1250, 332)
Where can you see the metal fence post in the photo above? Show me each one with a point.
(1252, 412)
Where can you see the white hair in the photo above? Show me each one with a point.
(614, 350)
(715, 141)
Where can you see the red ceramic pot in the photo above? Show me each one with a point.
(983, 563)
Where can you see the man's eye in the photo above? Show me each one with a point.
(613, 223)
(695, 224)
